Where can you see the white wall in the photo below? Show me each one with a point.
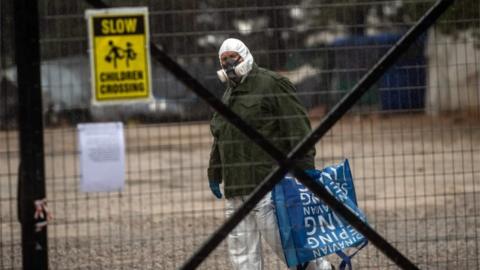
(453, 73)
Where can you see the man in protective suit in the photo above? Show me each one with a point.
(266, 101)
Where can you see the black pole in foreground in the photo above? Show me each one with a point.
(31, 172)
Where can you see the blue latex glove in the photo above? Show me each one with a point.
(215, 187)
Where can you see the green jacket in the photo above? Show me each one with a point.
(266, 101)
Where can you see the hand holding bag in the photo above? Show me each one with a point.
(309, 229)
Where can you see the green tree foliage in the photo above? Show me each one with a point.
(356, 16)
(196, 27)
(463, 15)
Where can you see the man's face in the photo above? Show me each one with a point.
(230, 55)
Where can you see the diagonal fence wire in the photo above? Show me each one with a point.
(286, 162)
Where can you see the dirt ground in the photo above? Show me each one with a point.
(417, 179)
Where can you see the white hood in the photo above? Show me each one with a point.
(236, 45)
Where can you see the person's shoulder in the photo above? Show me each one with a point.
(281, 82)
(269, 74)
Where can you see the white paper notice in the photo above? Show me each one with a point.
(102, 157)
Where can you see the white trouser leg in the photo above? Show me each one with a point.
(268, 226)
(244, 245)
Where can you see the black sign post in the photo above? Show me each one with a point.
(31, 190)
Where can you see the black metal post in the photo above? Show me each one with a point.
(31, 171)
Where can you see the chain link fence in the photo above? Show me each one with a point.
(413, 140)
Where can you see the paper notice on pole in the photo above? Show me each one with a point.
(102, 157)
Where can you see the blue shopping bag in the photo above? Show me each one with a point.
(309, 229)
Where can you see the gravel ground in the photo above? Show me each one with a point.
(417, 179)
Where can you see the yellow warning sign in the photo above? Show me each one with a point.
(119, 54)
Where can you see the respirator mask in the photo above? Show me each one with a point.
(233, 70)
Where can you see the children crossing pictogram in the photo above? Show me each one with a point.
(117, 53)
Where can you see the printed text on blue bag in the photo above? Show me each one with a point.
(326, 232)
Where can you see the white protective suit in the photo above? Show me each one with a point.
(244, 242)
